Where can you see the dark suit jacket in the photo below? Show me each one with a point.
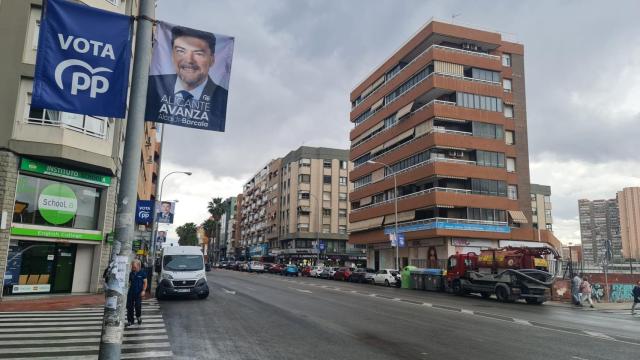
(164, 85)
(160, 220)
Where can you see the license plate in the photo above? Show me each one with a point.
(183, 290)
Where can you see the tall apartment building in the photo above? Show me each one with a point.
(541, 207)
(295, 200)
(629, 205)
(47, 153)
(234, 250)
(445, 115)
(227, 222)
(600, 230)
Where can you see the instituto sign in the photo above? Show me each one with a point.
(37, 167)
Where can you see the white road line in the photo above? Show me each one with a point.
(25, 314)
(578, 358)
(396, 299)
(147, 345)
(46, 335)
(14, 320)
(149, 331)
(598, 335)
(150, 337)
(76, 357)
(427, 304)
(521, 322)
(93, 322)
(303, 291)
(50, 329)
(49, 349)
(94, 339)
(354, 291)
(229, 291)
(50, 313)
(147, 355)
(374, 295)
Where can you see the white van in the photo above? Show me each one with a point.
(182, 272)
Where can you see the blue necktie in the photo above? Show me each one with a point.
(186, 96)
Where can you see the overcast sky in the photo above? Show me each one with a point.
(296, 62)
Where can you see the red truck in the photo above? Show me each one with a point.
(509, 273)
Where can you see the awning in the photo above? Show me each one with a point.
(377, 104)
(369, 132)
(402, 216)
(399, 138)
(365, 201)
(366, 224)
(404, 111)
(518, 217)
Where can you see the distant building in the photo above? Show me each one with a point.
(227, 222)
(629, 205)
(541, 207)
(600, 230)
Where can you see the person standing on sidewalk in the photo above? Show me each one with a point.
(585, 290)
(636, 298)
(575, 290)
(137, 287)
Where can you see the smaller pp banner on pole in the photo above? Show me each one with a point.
(82, 62)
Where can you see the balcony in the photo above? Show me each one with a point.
(450, 224)
(418, 193)
(421, 55)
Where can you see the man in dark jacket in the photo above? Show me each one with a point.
(137, 287)
(636, 298)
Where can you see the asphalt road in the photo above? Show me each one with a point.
(262, 316)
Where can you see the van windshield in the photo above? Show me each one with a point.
(183, 262)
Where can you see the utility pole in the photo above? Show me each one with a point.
(118, 271)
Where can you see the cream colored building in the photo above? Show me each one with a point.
(629, 206)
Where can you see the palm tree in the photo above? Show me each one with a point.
(215, 208)
(187, 234)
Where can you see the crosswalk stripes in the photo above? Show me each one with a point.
(75, 334)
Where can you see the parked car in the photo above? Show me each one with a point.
(290, 270)
(221, 265)
(328, 272)
(244, 266)
(276, 269)
(343, 273)
(362, 275)
(315, 271)
(267, 266)
(255, 266)
(306, 271)
(387, 277)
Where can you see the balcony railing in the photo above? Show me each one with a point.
(412, 195)
(450, 224)
(446, 48)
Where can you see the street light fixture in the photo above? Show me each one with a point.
(395, 200)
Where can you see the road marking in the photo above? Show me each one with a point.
(302, 290)
(578, 358)
(373, 295)
(147, 355)
(598, 335)
(229, 291)
(146, 345)
(466, 311)
(49, 349)
(396, 299)
(521, 322)
(427, 304)
(354, 291)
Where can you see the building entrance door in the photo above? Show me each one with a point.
(65, 261)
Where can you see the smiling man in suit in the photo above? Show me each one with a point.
(189, 96)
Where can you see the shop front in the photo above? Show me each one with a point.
(56, 235)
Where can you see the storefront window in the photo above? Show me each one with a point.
(41, 201)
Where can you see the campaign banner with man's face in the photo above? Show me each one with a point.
(81, 67)
(166, 209)
(189, 78)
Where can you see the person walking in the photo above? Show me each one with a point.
(137, 288)
(585, 290)
(636, 298)
(575, 290)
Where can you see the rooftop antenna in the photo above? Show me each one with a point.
(453, 16)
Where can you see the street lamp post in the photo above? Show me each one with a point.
(155, 223)
(319, 228)
(395, 200)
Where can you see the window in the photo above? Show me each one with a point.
(362, 159)
(343, 180)
(304, 162)
(508, 111)
(549, 227)
(486, 75)
(342, 229)
(480, 102)
(303, 227)
(489, 158)
(29, 191)
(326, 229)
(88, 125)
(326, 212)
(421, 75)
(342, 196)
(490, 131)
(326, 163)
(303, 195)
(547, 214)
(362, 181)
(512, 192)
(304, 178)
(487, 214)
(506, 85)
(506, 60)
(508, 137)
(343, 165)
(533, 197)
(326, 196)
(342, 213)
(326, 179)
(36, 34)
(511, 164)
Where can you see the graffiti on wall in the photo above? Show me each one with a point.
(597, 292)
(621, 293)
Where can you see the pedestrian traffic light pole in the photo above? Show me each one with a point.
(117, 274)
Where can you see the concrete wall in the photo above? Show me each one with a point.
(8, 181)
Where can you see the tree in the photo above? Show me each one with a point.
(187, 234)
(215, 208)
(209, 226)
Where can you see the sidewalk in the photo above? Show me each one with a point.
(597, 306)
(50, 302)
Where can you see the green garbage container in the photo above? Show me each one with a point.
(405, 275)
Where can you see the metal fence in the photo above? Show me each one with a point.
(586, 267)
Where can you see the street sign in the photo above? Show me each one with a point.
(401, 239)
(321, 246)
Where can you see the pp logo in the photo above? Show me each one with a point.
(143, 215)
(86, 78)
